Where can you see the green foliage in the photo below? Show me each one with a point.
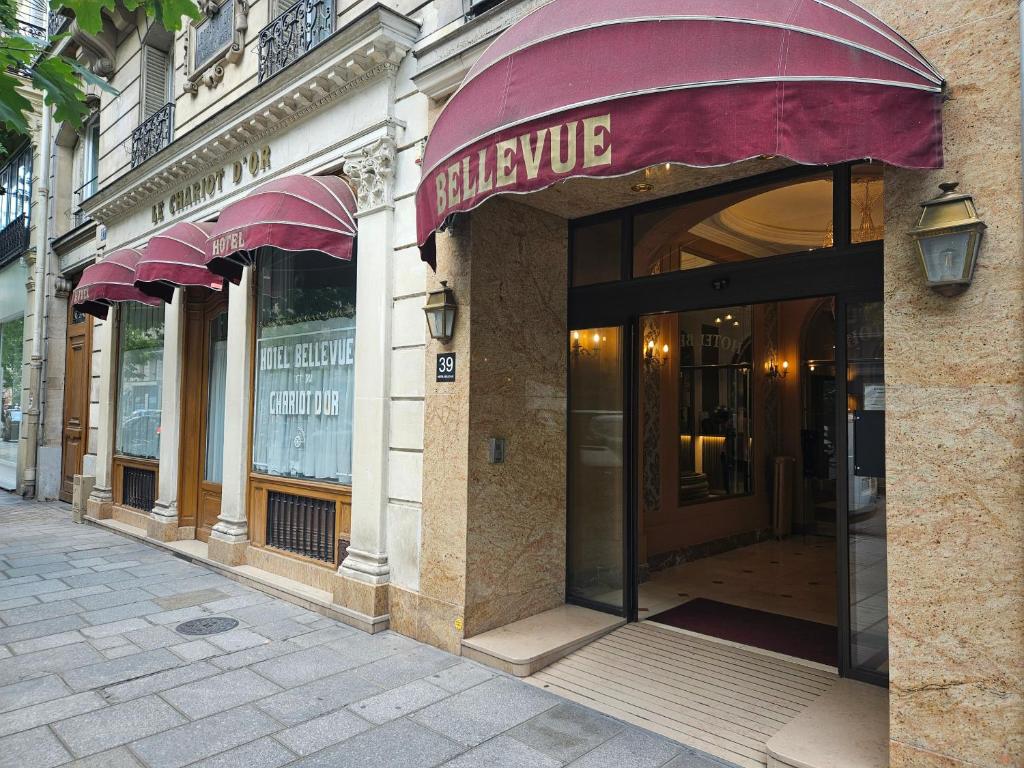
(63, 81)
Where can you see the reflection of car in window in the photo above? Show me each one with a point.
(139, 433)
(603, 446)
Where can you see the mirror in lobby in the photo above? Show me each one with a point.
(737, 459)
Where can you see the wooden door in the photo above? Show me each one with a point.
(77, 380)
(202, 403)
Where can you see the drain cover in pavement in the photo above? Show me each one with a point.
(213, 625)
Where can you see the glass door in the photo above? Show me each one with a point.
(596, 546)
(866, 639)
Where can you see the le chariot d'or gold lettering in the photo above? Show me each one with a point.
(209, 186)
(501, 164)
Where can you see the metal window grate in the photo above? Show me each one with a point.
(139, 488)
(301, 525)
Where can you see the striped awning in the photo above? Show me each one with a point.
(606, 88)
(177, 256)
(109, 281)
(292, 213)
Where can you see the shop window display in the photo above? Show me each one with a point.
(140, 376)
(305, 361)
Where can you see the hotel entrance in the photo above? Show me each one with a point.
(726, 417)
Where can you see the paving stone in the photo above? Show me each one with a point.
(318, 698)
(150, 637)
(161, 681)
(114, 671)
(112, 641)
(113, 599)
(262, 753)
(362, 648)
(60, 659)
(115, 566)
(188, 599)
(49, 641)
(503, 752)
(322, 636)
(633, 747)
(52, 557)
(690, 758)
(237, 640)
(398, 744)
(484, 711)
(195, 650)
(254, 655)
(283, 630)
(32, 749)
(566, 731)
(203, 738)
(461, 676)
(398, 702)
(405, 667)
(120, 651)
(74, 594)
(36, 612)
(18, 602)
(215, 694)
(39, 629)
(4, 653)
(116, 579)
(262, 615)
(49, 712)
(116, 725)
(178, 615)
(238, 601)
(115, 628)
(117, 613)
(303, 666)
(115, 758)
(314, 735)
(38, 570)
(30, 692)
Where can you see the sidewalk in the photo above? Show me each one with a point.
(95, 672)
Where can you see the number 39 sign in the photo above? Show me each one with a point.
(446, 366)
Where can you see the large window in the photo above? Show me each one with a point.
(305, 360)
(139, 380)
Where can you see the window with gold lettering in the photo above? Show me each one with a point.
(305, 361)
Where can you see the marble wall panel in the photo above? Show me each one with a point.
(516, 527)
(955, 422)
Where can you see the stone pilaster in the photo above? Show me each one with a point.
(104, 339)
(163, 520)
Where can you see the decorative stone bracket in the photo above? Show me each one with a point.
(372, 168)
(99, 55)
(211, 73)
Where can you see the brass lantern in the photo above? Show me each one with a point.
(440, 310)
(948, 238)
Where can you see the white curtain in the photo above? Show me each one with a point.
(216, 401)
(304, 398)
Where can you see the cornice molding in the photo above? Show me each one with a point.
(369, 49)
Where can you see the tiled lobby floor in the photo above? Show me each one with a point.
(793, 577)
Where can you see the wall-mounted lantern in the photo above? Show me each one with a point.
(948, 238)
(440, 310)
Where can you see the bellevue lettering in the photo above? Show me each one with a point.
(557, 148)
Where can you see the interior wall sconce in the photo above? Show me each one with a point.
(585, 344)
(440, 310)
(655, 355)
(775, 371)
(948, 238)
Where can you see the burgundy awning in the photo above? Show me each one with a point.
(607, 88)
(108, 281)
(177, 256)
(292, 213)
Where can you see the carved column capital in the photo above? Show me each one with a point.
(372, 168)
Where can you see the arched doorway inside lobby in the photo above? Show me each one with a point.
(726, 467)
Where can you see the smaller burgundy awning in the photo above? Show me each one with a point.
(292, 213)
(109, 281)
(177, 256)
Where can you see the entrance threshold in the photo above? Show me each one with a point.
(526, 646)
(751, 708)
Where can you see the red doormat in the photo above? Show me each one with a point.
(770, 631)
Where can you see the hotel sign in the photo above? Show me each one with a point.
(250, 166)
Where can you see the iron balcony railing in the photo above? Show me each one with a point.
(293, 34)
(153, 134)
(14, 239)
(28, 30)
(57, 22)
(87, 190)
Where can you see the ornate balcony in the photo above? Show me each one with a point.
(293, 34)
(153, 135)
(14, 239)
